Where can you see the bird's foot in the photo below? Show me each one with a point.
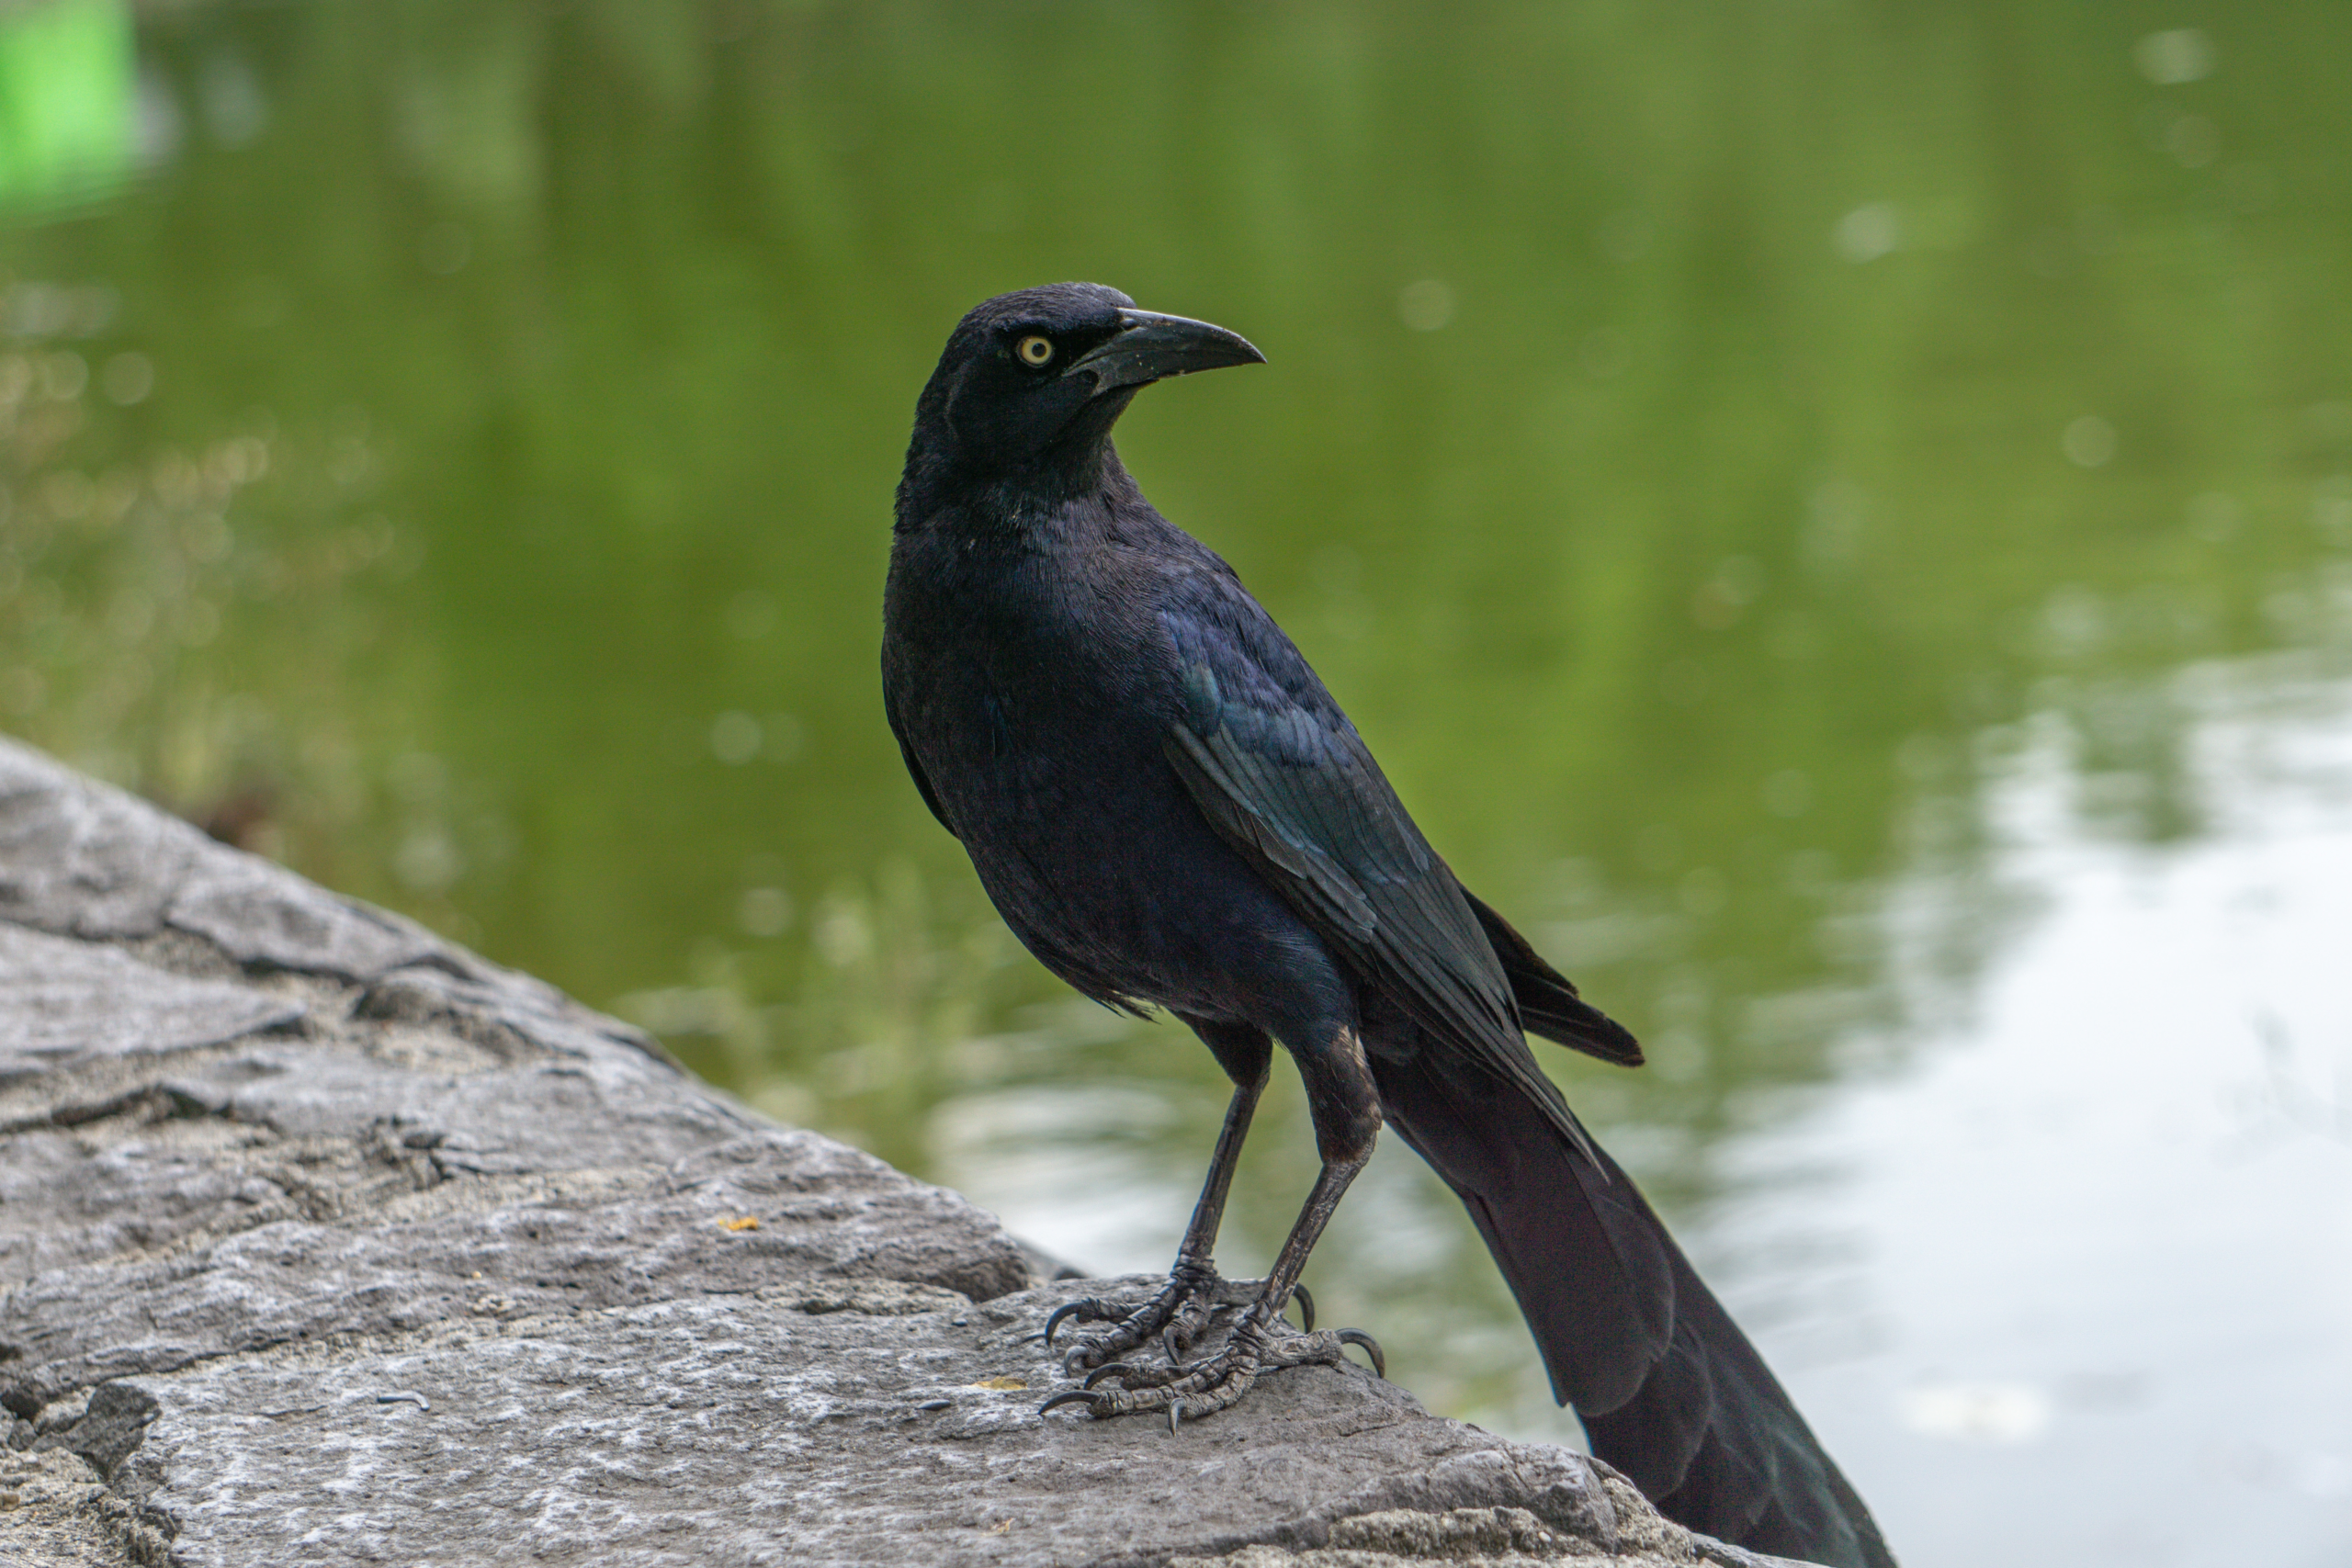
(1260, 1343)
(1173, 1319)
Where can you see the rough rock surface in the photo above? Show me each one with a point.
(323, 1240)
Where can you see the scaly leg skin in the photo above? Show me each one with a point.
(1345, 1109)
(1175, 1317)
(1194, 1294)
(1261, 1342)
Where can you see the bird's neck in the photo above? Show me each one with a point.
(1027, 506)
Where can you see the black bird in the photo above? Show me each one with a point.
(1168, 810)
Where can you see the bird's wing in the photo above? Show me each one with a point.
(1282, 776)
(1548, 1003)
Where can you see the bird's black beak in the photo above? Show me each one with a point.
(1152, 347)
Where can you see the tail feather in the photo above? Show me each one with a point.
(1593, 1278)
(1747, 1469)
(1670, 1390)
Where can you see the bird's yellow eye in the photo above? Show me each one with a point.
(1035, 350)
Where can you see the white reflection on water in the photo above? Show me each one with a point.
(2099, 1301)
(1100, 1205)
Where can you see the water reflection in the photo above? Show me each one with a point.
(1708, 465)
(2094, 1236)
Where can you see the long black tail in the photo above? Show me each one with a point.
(1670, 1390)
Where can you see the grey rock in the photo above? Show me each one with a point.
(55, 1512)
(63, 1002)
(372, 1255)
(113, 1422)
(323, 1240)
(242, 904)
(714, 1430)
(81, 859)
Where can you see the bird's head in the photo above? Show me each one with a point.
(1033, 380)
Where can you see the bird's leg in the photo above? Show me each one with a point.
(1175, 1316)
(1347, 1122)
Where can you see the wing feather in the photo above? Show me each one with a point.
(1312, 810)
(1284, 778)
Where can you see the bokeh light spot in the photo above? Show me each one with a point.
(2171, 58)
(128, 378)
(1868, 232)
(735, 738)
(1426, 306)
(2089, 442)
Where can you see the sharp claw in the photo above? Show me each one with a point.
(1169, 1343)
(1175, 1414)
(1067, 1309)
(1372, 1347)
(1306, 1306)
(1069, 1397)
(1108, 1370)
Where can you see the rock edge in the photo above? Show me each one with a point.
(324, 1239)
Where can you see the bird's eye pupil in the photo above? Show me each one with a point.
(1035, 350)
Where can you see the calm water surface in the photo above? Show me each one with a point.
(1836, 517)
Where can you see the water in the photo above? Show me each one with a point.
(1836, 519)
(2085, 1260)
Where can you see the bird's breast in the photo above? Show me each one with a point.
(1038, 711)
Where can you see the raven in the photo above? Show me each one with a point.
(1168, 811)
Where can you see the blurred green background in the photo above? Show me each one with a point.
(449, 448)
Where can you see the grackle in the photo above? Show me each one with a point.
(1168, 811)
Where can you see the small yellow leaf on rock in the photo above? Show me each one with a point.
(746, 1223)
(1000, 1382)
